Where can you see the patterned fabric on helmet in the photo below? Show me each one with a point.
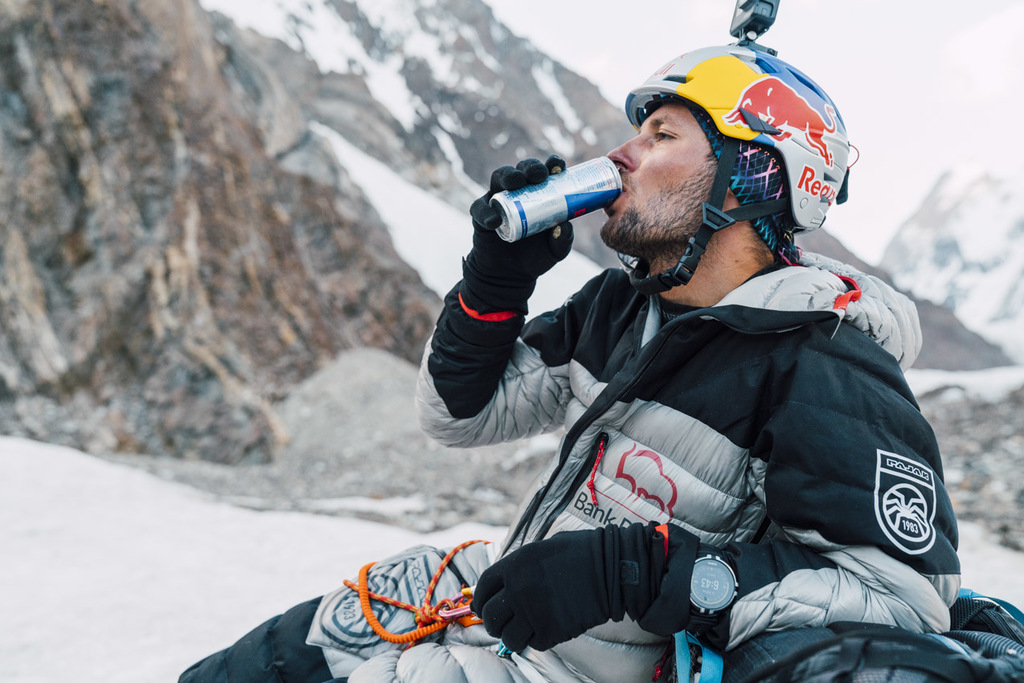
(756, 176)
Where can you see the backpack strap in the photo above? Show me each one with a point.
(711, 667)
(864, 646)
(968, 594)
(975, 612)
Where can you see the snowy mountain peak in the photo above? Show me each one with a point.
(440, 93)
(963, 249)
(421, 60)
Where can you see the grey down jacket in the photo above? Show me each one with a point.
(776, 424)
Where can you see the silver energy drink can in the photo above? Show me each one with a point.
(575, 191)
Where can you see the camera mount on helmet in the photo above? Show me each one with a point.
(751, 19)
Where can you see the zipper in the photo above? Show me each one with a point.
(571, 436)
(762, 529)
(598, 454)
(598, 408)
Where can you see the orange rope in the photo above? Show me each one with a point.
(427, 618)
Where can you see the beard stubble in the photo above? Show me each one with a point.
(661, 230)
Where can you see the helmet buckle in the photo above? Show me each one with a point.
(716, 219)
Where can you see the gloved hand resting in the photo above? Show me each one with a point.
(500, 275)
(553, 590)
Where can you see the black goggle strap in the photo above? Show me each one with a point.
(714, 219)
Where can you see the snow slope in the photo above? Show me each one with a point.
(989, 385)
(111, 575)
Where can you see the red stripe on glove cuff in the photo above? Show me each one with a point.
(498, 317)
(663, 530)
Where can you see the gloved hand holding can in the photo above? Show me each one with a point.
(564, 196)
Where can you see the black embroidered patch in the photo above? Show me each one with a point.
(905, 502)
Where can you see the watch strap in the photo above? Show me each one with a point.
(703, 620)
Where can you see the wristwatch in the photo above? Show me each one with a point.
(712, 589)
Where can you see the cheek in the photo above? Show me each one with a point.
(655, 185)
(672, 175)
(666, 170)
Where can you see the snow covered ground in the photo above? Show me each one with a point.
(989, 385)
(112, 575)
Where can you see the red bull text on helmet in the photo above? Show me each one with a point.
(755, 97)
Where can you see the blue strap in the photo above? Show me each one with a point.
(684, 665)
(711, 667)
(1014, 611)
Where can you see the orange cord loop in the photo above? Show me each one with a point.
(429, 618)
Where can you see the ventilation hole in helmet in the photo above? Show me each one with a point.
(772, 66)
(809, 83)
(768, 66)
(655, 102)
(675, 79)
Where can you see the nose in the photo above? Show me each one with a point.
(622, 157)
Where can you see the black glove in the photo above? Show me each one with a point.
(500, 275)
(553, 590)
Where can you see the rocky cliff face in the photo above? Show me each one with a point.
(162, 278)
(179, 246)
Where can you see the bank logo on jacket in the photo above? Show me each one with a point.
(637, 465)
(905, 502)
(629, 483)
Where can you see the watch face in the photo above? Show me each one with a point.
(713, 584)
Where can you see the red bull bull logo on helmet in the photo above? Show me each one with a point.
(776, 103)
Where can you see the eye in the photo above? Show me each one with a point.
(662, 135)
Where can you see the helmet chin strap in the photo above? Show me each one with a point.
(713, 220)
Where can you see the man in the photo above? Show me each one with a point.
(742, 454)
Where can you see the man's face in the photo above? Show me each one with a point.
(667, 171)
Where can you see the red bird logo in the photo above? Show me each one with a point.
(662, 490)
